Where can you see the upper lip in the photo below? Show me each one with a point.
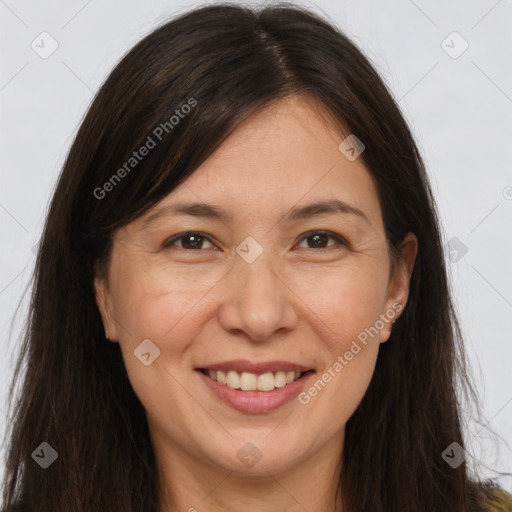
(243, 365)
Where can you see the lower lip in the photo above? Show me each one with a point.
(256, 402)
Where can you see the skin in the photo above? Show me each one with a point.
(302, 300)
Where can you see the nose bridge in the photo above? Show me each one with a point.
(258, 301)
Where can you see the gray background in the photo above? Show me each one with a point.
(460, 110)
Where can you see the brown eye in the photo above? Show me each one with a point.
(188, 241)
(320, 240)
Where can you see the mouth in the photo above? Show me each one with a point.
(247, 381)
(255, 388)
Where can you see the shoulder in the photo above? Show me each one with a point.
(500, 501)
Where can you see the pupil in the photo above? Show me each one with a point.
(318, 238)
(192, 245)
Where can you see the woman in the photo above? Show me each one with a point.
(240, 298)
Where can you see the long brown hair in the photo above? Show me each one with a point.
(232, 61)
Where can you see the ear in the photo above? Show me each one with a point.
(398, 287)
(104, 303)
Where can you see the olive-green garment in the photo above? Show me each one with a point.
(500, 501)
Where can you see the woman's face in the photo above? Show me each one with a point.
(286, 270)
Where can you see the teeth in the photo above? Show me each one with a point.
(252, 382)
(233, 380)
(266, 382)
(248, 381)
(220, 377)
(280, 379)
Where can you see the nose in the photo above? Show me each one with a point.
(257, 300)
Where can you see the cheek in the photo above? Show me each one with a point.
(156, 302)
(333, 396)
(160, 305)
(344, 307)
(342, 302)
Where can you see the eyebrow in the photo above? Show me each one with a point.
(210, 211)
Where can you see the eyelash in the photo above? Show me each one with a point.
(342, 241)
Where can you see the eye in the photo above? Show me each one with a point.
(188, 241)
(319, 239)
(192, 240)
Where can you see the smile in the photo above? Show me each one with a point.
(247, 381)
(255, 388)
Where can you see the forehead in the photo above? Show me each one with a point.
(283, 156)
